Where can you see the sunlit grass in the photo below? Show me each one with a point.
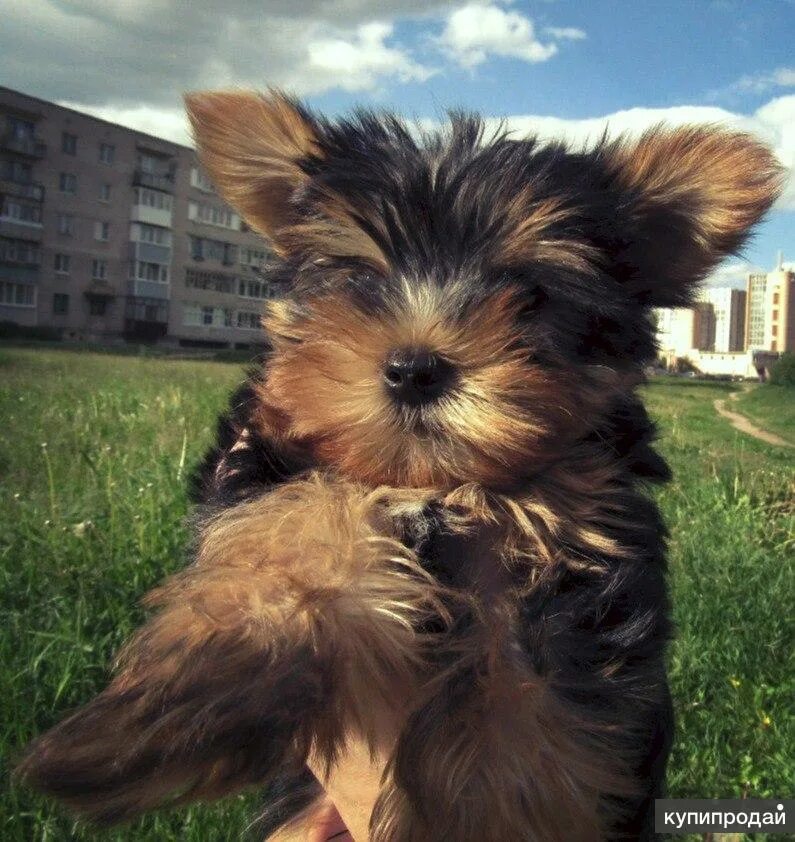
(94, 451)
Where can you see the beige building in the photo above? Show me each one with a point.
(682, 330)
(770, 310)
(727, 318)
(108, 234)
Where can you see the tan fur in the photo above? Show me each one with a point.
(718, 183)
(306, 618)
(252, 146)
(505, 416)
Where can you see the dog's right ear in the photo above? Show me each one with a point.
(252, 147)
(258, 150)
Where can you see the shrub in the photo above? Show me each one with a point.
(782, 373)
(11, 330)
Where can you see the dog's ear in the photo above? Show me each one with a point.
(687, 198)
(253, 147)
(259, 150)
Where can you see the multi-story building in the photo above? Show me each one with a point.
(682, 330)
(770, 310)
(727, 318)
(109, 234)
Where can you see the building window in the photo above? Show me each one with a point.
(106, 153)
(154, 234)
(197, 315)
(97, 306)
(152, 198)
(17, 171)
(17, 295)
(248, 320)
(104, 192)
(200, 181)
(254, 289)
(68, 183)
(66, 224)
(253, 257)
(146, 271)
(775, 298)
(20, 129)
(62, 264)
(60, 304)
(102, 231)
(68, 143)
(773, 345)
(212, 215)
(22, 252)
(202, 248)
(216, 281)
(21, 212)
(99, 269)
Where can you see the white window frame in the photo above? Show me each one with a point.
(107, 152)
(66, 224)
(99, 269)
(11, 288)
(57, 263)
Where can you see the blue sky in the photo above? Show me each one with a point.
(552, 67)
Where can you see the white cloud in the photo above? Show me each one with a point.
(783, 77)
(168, 123)
(126, 54)
(358, 63)
(565, 33)
(732, 274)
(476, 31)
(773, 123)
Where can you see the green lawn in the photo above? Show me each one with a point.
(94, 450)
(771, 407)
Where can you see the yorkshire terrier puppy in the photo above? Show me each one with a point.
(426, 523)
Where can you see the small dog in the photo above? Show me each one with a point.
(426, 520)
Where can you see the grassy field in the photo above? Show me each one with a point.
(771, 407)
(94, 450)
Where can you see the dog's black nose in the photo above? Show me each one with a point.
(415, 376)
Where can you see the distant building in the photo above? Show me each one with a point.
(770, 310)
(682, 330)
(727, 317)
(109, 234)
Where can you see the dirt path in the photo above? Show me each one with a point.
(741, 423)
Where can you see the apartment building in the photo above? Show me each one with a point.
(770, 310)
(113, 235)
(681, 330)
(727, 317)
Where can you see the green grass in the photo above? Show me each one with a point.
(771, 407)
(94, 450)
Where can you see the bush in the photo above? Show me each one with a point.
(11, 330)
(782, 373)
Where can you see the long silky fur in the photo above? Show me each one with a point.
(476, 587)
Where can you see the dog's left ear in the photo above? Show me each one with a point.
(688, 197)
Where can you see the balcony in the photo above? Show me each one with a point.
(100, 290)
(28, 146)
(155, 181)
(31, 190)
(151, 216)
(145, 319)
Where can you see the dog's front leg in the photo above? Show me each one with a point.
(296, 623)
